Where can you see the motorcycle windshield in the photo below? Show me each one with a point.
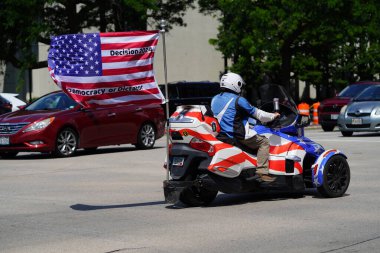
(288, 108)
(268, 92)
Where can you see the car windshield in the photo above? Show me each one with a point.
(353, 90)
(370, 94)
(54, 101)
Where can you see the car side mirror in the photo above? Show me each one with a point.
(303, 121)
(83, 109)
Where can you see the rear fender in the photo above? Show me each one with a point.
(194, 160)
(318, 166)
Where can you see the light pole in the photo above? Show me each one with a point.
(163, 25)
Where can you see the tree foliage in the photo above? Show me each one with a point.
(19, 30)
(27, 22)
(327, 42)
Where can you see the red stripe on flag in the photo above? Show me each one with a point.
(128, 34)
(116, 95)
(152, 91)
(122, 71)
(110, 46)
(133, 82)
(136, 102)
(108, 59)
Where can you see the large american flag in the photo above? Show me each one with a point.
(106, 68)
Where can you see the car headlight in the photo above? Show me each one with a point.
(39, 125)
(377, 111)
(343, 110)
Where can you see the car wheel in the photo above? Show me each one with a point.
(146, 137)
(347, 133)
(66, 143)
(8, 154)
(193, 196)
(327, 128)
(336, 177)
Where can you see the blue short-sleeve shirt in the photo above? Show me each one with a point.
(232, 116)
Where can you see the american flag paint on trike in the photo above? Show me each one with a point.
(201, 163)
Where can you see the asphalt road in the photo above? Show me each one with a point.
(112, 201)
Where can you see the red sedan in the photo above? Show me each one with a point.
(55, 123)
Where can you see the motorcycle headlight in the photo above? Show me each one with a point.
(343, 110)
(377, 111)
(39, 125)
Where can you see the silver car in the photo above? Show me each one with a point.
(362, 114)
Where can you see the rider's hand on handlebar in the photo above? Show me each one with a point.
(276, 115)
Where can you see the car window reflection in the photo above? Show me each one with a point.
(56, 101)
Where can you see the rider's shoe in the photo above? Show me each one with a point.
(266, 178)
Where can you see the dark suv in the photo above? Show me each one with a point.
(190, 93)
(329, 109)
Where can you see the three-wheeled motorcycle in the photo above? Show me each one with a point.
(203, 163)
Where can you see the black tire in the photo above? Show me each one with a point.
(8, 154)
(327, 128)
(347, 133)
(66, 143)
(146, 136)
(193, 196)
(336, 177)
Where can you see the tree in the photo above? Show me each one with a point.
(19, 31)
(326, 42)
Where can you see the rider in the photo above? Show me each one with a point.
(233, 112)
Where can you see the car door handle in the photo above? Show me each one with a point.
(111, 114)
(138, 109)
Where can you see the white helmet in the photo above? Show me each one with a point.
(232, 82)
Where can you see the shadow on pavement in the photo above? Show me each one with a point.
(80, 152)
(84, 207)
(239, 199)
(362, 134)
(224, 199)
(221, 200)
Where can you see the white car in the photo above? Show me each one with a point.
(9, 102)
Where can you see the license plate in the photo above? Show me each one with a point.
(334, 116)
(357, 121)
(4, 140)
(178, 161)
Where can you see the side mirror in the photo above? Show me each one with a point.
(303, 121)
(83, 109)
(21, 107)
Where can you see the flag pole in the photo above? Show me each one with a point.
(163, 25)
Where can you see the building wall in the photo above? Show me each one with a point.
(42, 82)
(189, 55)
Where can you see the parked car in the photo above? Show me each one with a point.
(328, 110)
(362, 114)
(9, 102)
(190, 93)
(55, 123)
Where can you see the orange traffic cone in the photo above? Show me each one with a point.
(315, 113)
